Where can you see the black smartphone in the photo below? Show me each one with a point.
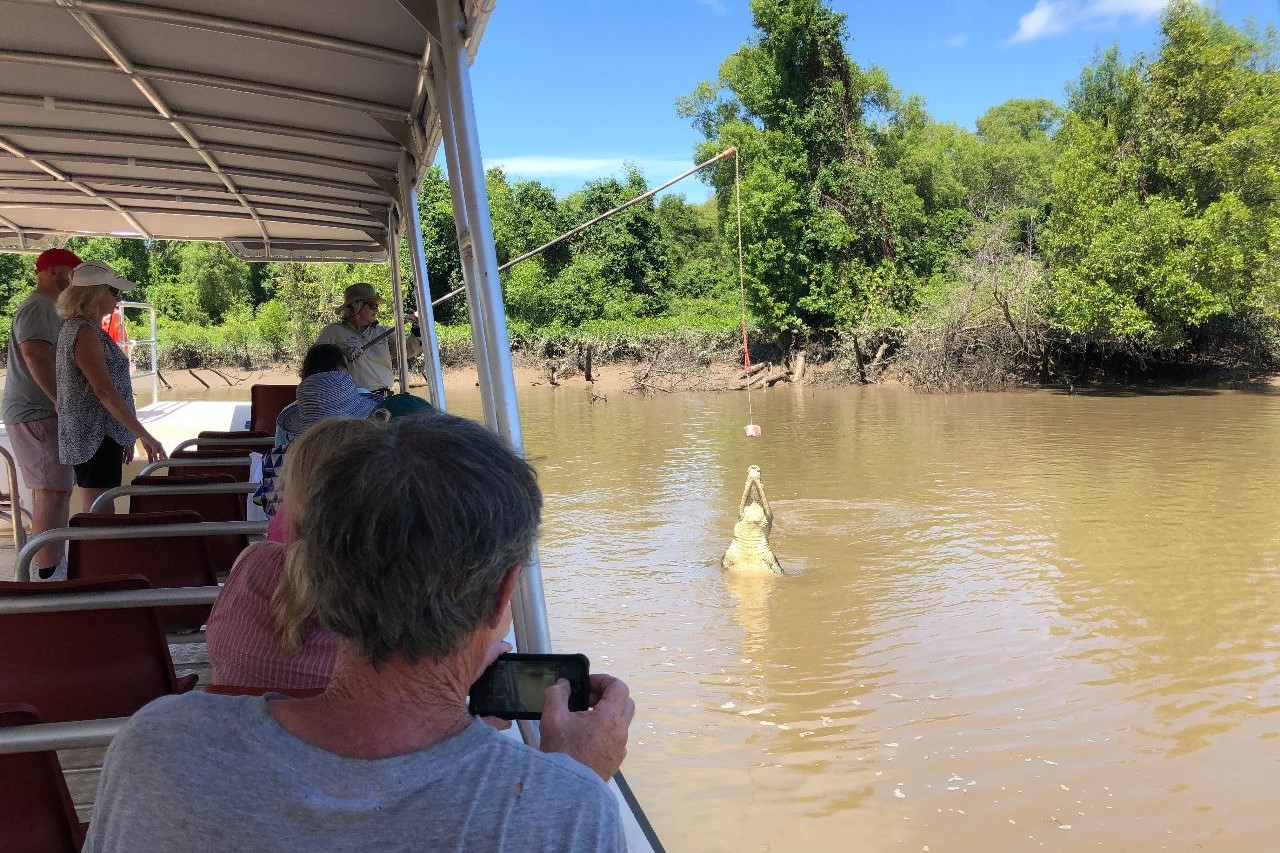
(512, 687)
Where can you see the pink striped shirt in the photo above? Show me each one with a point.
(242, 647)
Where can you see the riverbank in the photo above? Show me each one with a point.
(658, 376)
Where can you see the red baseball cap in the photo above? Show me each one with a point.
(51, 258)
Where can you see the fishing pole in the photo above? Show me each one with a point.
(584, 226)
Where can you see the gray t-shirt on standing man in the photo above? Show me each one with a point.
(36, 319)
(200, 773)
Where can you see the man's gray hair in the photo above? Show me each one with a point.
(409, 530)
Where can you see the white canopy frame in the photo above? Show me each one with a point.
(296, 130)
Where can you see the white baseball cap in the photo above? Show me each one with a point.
(99, 273)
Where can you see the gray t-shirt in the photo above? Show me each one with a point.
(36, 319)
(200, 773)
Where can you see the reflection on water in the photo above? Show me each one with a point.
(1021, 621)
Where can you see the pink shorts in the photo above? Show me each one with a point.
(35, 447)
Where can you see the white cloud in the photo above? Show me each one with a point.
(1054, 17)
(956, 40)
(716, 6)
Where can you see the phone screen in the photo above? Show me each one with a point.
(513, 686)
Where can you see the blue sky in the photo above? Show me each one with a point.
(567, 90)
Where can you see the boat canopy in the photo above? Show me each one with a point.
(286, 129)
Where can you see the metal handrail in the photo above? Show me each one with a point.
(267, 442)
(118, 599)
(142, 531)
(153, 342)
(73, 735)
(15, 500)
(107, 498)
(192, 463)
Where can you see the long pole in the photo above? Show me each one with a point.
(490, 315)
(584, 226)
(466, 253)
(426, 318)
(397, 294)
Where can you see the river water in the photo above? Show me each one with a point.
(1020, 621)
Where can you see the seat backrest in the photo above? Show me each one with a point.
(265, 403)
(226, 506)
(83, 664)
(218, 463)
(36, 812)
(241, 449)
(165, 561)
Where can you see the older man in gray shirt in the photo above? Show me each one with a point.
(30, 394)
(410, 538)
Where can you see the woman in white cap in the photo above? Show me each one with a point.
(97, 422)
(368, 345)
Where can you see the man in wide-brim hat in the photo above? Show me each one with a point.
(368, 344)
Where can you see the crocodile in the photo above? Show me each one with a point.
(750, 551)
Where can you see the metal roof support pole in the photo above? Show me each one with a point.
(426, 318)
(466, 252)
(397, 296)
(485, 291)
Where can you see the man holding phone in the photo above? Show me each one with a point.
(411, 536)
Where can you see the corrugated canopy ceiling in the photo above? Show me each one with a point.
(278, 123)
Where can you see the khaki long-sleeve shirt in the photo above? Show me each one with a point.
(372, 368)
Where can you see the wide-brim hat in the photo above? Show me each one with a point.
(99, 274)
(331, 394)
(360, 292)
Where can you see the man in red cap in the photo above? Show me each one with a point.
(30, 395)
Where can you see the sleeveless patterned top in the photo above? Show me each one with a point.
(82, 420)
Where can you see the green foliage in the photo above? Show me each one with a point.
(825, 215)
(1141, 217)
(1166, 200)
(218, 279)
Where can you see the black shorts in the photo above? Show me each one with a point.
(104, 468)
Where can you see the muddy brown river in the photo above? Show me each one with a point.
(1023, 621)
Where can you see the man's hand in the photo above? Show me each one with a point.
(596, 737)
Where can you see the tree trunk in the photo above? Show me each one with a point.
(797, 369)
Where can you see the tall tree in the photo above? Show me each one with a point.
(1166, 200)
(824, 219)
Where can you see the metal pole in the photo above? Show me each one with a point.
(155, 356)
(584, 226)
(531, 612)
(426, 317)
(466, 253)
(397, 295)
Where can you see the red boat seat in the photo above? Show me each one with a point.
(238, 471)
(254, 447)
(84, 664)
(165, 561)
(226, 506)
(265, 403)
(36, 812)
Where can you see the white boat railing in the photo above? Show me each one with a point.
(103, 502)
(265, 442)
(162, 464)
(142, 531)
(153, 342)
